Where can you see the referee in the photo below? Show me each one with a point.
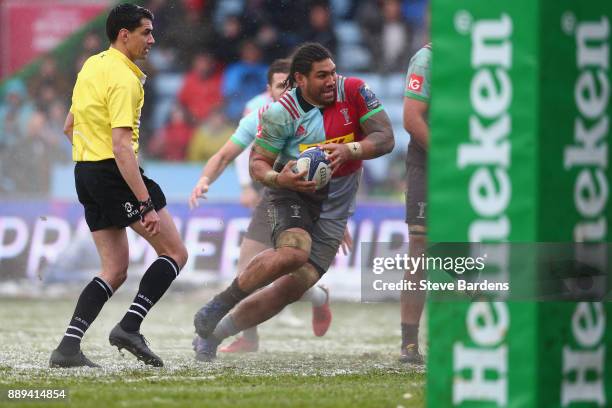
(103, 127)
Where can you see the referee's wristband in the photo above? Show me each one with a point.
(145, 207)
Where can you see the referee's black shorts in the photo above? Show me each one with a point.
(106, 197)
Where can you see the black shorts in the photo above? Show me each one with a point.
(259, 228)
(288, 209)
(416, 196)
(106, 197)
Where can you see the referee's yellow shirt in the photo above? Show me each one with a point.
(108, 94)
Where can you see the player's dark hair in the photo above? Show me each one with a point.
(126, 16)
(279, 66)
(302, 60)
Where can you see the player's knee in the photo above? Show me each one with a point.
(292, 258)
(294, 246)
(295, 238)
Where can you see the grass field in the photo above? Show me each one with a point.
(354, 365)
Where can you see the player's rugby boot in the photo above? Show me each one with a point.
(241, 345)
(135, 343)
(61, 360)
(321, 316)
(411, 355)
(205, 348)
(206, 319)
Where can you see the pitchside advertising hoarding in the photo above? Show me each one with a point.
(520, 119)
(50, 242)
(30, 28)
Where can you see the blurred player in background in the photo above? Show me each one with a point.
(307, 225)
(257, 238)
(415, 116)
(103, 127)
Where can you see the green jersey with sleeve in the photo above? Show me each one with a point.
(418, 86)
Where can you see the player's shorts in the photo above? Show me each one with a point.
(326, 233)
(106, 197)
(259, 228)
(416, 198)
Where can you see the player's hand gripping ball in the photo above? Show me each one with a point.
(315, 162)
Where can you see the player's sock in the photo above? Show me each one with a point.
(250, 334)
(410, 335)
(154, 283)
(225, 328)
(92, 298)
(316, 295)
(232, 295)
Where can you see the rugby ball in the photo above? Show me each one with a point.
(315, 162)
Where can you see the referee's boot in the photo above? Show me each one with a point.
(135, 343)
(207, 318)
(78, 359)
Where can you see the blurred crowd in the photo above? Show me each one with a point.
(209, 59)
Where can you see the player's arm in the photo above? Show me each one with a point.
(69, 126)
(244, 136)
(213, 169)
(261, 162)
(249, 197)
(378, 139)
(128, 167)
(266, 148)
(377, 142)
(415, 120)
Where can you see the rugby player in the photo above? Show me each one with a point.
(415, 117)
(103, 127)
(319, 107)
(257, 238)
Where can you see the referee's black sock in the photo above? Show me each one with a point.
(154, 283)
(410, 335)
(92, 298)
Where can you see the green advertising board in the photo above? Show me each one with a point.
(520, 127)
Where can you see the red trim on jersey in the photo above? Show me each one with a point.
(292, 102)
(287, 98)
(290, 110)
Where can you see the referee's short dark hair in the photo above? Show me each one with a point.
(126, 16)
(279, 66)
(303, 58)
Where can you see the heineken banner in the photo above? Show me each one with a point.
(520, 128)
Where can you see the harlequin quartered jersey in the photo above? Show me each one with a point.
(292, 125)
